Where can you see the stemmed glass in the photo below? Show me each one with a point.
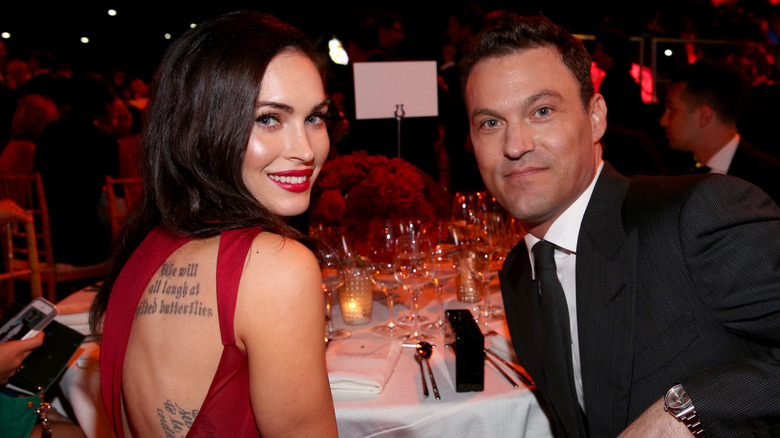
(445, 239)
(409, 226)
(338, 258)
(490, 246)
(381, 253)
(414, 269)
(465, 204)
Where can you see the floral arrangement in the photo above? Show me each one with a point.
(353, 189)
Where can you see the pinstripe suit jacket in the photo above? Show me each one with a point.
(678, 280)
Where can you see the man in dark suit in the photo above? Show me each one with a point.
(647, 306)
(703, 102)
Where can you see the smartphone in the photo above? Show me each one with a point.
(33, 318)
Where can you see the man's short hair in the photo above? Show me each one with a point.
(512, 33)
(713, 83)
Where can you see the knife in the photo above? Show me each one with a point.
(500, 370)
(522, 376)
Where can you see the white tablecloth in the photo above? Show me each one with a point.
(398, 411)
(401, 411)
(80, 383)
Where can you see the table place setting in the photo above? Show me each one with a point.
(361, 366)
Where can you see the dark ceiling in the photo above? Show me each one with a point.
(133, 40)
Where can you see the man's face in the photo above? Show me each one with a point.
(679, 121)
(537, 147)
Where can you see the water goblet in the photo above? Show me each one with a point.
(409, 226)
(490, 247)
(337, 257)
(381, 251)
(445, 240)
(465, 204)
(332, 278)
(414, 269)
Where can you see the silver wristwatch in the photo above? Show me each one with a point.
(679, 404)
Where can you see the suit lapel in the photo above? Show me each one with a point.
(606, 287)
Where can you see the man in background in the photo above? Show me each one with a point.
(703, 103)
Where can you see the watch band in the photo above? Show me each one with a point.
(691, 421)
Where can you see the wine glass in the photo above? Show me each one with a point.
(409, 226)
(338, 257)
(445, 240)
(414, 269)
(465, 204)
(381, 252)
(490, 247)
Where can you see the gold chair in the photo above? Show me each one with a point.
(122, 194)
(9, 225)
(27, 192)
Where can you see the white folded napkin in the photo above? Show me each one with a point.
(362, 364)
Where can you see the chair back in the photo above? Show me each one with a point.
(24, 241)
(9, 229)
(122, 195)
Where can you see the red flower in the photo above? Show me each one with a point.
(354, 189)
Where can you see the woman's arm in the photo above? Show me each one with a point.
(280, 320)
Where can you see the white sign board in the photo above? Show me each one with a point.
(380, 86)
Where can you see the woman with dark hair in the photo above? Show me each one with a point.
(213, 314)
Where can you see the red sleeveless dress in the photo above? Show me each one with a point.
(226, 411)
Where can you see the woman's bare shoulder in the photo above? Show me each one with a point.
(281, 278)
(277, 265)
(281, 252)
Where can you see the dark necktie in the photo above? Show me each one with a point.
(556, 341)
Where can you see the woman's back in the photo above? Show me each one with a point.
(175, 346)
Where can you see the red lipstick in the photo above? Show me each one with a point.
(295, 181)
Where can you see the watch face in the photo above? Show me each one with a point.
(677, 398)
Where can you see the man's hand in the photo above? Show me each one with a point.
(658, 423)
(13, 353)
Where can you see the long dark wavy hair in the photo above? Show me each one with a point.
(197, 126)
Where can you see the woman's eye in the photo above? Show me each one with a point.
(267, 120)
(316, 118)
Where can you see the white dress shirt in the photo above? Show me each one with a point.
(564, 233)
(720, 162)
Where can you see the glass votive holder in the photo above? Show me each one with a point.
(356, 297)
(469, 289)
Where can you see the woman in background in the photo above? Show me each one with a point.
(33, 113)
(213, 313)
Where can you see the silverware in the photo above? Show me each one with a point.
(425, 350)
(500, 370)
(509, 365)
(418, 358)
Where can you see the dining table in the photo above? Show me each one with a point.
(376, 382)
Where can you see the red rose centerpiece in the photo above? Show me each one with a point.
(354, 189)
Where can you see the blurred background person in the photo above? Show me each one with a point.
(73, 156)
(32, 115)
(703, 104)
